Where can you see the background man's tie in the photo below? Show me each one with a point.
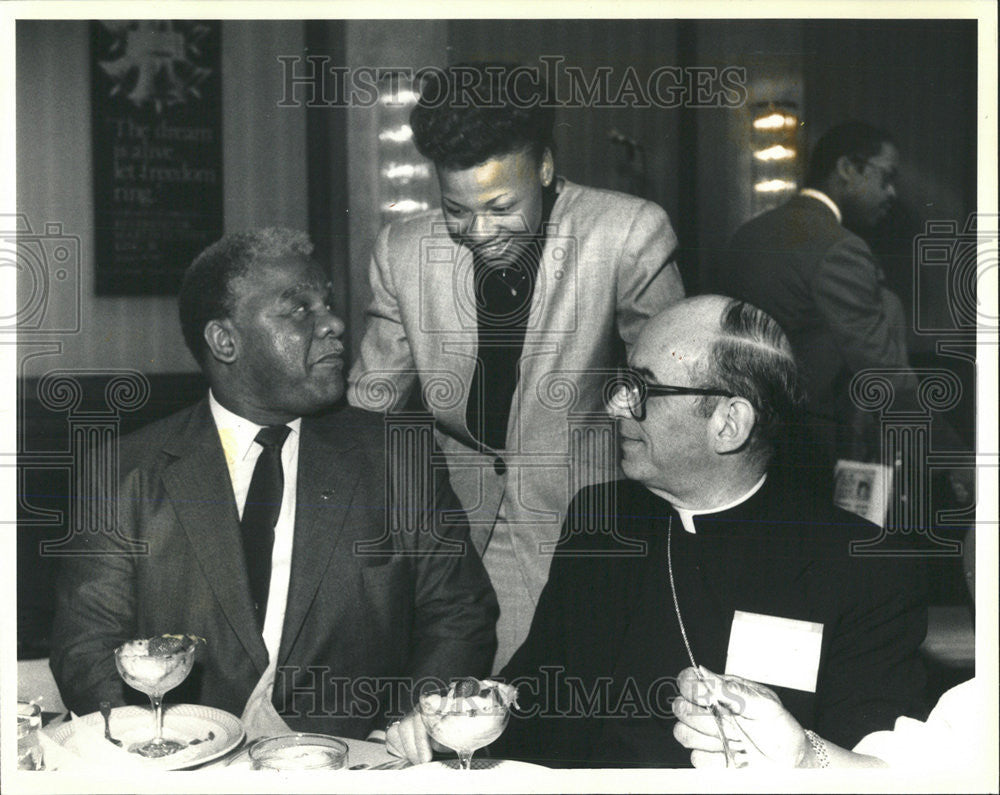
(260, 514)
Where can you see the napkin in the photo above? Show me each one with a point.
(86, 750)
(58, 757)
(261, 719)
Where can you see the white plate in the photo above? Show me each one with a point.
(217, 730)
(484, 763)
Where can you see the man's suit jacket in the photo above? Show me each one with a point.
(597, 672)
(607, 266)
(355, 618)
(821, 283)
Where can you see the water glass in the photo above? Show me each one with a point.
(299, 752)
(29, 750)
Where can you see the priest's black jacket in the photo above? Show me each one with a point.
(597, 672)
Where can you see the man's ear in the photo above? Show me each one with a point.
(547, 170)
(847, 168)
(732, 424)
(220, 336)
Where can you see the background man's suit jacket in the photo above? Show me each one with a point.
(823, 286)
(606, 267)
(398, 611)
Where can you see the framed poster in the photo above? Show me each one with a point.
(157, 141)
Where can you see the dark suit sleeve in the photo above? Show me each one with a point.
(95, 613)
(455, 607)
(866, 324)
(874, 674)
(869, 325)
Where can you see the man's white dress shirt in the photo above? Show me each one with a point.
(237, 436)
(820, 196)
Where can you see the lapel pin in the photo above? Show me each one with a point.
(326, 495)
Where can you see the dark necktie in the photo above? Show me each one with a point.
(260, 514)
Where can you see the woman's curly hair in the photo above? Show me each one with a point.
(469, 113)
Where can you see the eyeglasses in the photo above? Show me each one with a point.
(628, 389)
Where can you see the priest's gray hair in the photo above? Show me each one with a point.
(752, 358)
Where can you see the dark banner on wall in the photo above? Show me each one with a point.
(157, 128)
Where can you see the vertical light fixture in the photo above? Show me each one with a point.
(775, 142)
(405, 178)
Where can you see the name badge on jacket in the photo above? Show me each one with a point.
(782, 652)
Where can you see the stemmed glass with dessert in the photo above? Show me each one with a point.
(155, 666)
(468, 715)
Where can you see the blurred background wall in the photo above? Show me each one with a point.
(317, 167)
(264, 176)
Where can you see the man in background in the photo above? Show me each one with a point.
(805, 264)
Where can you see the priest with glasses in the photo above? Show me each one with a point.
(705, 556)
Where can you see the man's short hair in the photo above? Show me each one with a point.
(206, 292)
(852, 139)
(470, 113)
(753, 359)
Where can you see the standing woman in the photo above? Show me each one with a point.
(510, 305)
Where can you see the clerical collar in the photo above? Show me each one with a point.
(687, 514)
(820, 196)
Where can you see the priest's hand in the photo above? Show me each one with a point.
(760, 731)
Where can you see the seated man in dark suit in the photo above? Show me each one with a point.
(262, 525)
(701, 557)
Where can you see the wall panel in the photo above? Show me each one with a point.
(264, 171)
